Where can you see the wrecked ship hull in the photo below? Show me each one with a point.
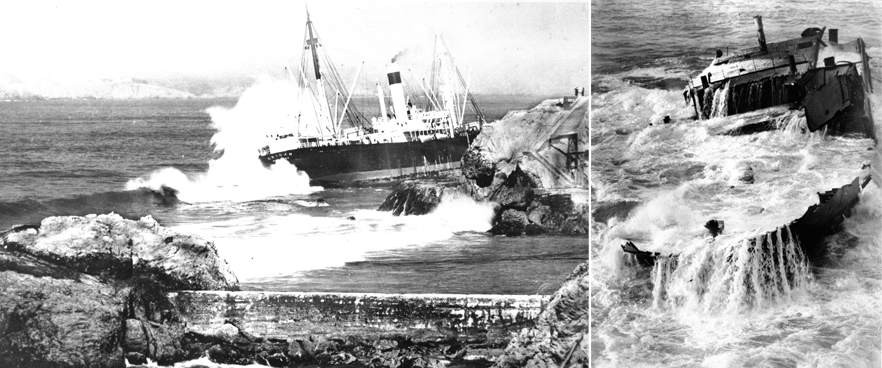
(819, 221)
(829, 80)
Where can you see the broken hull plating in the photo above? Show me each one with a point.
(819, 221)
(352, 164)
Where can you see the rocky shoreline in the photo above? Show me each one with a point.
(102, 291)
(512, 165)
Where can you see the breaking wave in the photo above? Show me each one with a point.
(238, 175)
(130, 204)
(258, 247)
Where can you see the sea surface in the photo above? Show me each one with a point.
(192, 165)
(708, 310)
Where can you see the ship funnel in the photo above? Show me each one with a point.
(397, 91)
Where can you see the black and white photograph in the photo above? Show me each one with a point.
(735, 184)
(306, 184)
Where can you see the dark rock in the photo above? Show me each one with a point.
(136, 358)
(415, 197)
(575, 225)
(476, 166)
(517, 191)
(533, 229)
(47, 322)
(511, 222)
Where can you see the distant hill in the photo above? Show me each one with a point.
(31, 87)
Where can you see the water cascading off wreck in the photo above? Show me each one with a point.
(744, 271)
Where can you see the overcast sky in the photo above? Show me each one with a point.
(510, 47)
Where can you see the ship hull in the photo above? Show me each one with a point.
(362, 163)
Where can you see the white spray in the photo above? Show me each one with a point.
(238, 175)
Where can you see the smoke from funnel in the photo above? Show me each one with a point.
(399, 55)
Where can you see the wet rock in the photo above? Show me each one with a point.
(105, 297)
(477, 166)
(134, 358)
(575, 225)
(114, 248)
(510, 223)
(537, 214)
(47, 322)
(415, 197)
(533, 229)
(517, 191)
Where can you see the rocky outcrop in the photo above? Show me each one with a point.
(50, 322)
(512, 164)
(534, 193)
(416, 197)
(89, 291)
(111, 247)
(559, 337)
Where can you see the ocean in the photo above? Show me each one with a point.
(192, 165)
(668, 180)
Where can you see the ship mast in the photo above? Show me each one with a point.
(324, 109)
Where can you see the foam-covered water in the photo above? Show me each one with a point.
(749, 297)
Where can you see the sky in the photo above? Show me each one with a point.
(508, 47)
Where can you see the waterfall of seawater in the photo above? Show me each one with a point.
(721, 102)
(740, 274)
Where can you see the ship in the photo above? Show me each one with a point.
(335, 143)
(827, 82)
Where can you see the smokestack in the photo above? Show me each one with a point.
(760, 35)
(397, 91)
(833, 35)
